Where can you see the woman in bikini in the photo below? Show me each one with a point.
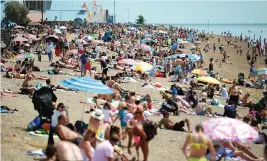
(199, 143)
(96, 124)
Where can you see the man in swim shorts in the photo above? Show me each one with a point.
(178, 126)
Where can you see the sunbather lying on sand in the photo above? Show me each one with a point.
(178, 126)
(54, 86)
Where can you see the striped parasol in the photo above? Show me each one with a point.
(87, 84)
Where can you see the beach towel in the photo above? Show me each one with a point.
(41, 135)
(127, 79)
(5, 111)
(39, 152)
(155, 86)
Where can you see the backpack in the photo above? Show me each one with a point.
(150, 129)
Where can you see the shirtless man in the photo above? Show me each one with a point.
(178, 126)
(64, 133)
(234, 93)
(68, 151)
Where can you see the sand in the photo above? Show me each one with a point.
(165, 146)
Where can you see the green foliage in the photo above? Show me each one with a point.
(16, 12)
(140, 20)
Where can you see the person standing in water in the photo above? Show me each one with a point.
(199, 143)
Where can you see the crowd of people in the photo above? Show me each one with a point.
(101, 140)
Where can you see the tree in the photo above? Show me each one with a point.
(16, 12)
(140, 20)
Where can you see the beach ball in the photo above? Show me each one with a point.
(46, 126)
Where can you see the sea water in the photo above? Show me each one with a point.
(235, 29)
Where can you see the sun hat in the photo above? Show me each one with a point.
(98, 114)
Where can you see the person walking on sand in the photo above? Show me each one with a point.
(49, 50)
(199, 143)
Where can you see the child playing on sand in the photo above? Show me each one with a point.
(107, 114)
(122, 115)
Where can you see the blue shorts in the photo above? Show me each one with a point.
(203, 112)
(82, 66)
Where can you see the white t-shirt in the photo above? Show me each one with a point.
(49, 47)
(103, 151)
(80, 46)
(54, 120)
(107, 113)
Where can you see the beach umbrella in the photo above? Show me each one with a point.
(57, 31)
(193, 57)
(20, 39)
(144, 47)
(87, 38)
(53, 38)
(18, 27)
(228, 129)
(74, 51)
(97, 42)
(78, 20)
(128, 61)
(31, 36)
(260, 71)
(95, 36)
(87, 84)
(210, 80)
(24, 56)
(81, 41)
(63, 28)
(200, 72)
(148, 35)
(143, 67)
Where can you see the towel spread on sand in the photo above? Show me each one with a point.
(155, 87)
(128, 79)
(42, 135)
(39, 152)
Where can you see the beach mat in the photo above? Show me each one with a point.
(42, 135)
(39, 152)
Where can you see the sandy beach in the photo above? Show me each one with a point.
(15, 141)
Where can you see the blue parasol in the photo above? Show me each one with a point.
(191, 57)
(87, 84)
(78, 20)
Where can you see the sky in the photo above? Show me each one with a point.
(189, 12)
(186, 12)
